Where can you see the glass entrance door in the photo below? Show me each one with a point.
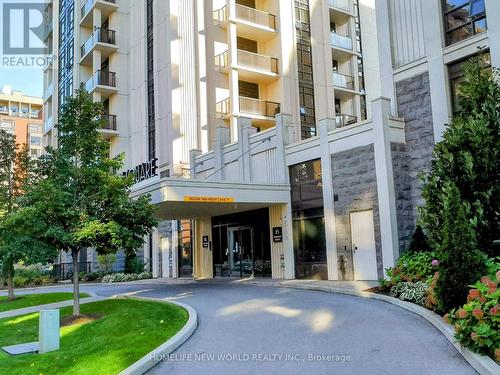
(240, 256)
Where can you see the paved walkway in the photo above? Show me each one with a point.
(55, 305)
(246, 328)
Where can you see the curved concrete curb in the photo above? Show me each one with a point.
(155, 356)
(482, 364)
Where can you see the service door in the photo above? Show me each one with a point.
(363, 245)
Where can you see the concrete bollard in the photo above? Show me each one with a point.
(48, 332)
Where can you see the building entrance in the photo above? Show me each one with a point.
(241, 244)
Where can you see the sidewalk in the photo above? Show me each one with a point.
(55, 305)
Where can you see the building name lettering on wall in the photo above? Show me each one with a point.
(143, 171)
(189, 198)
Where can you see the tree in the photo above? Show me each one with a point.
(461, 263)
(16, 175)
(469, 157)
(86, 204)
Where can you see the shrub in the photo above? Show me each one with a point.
(106, 262)
(133, 264)
(409, 291)
(410, 267)
(121, 277)
(419, 241)
(92, 276)
(461, 264)
(477, 323)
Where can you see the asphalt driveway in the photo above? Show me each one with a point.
(248, 329)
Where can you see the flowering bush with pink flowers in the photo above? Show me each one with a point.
(477, 323)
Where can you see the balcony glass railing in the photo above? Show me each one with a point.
(101, 78)
(88, 5)
(256, 16)
(342, 120)
(100, 35)
(259, 107)
(256, 61)
(4, 109)
(341, 4)
(340, 41)
(344, 81)
(108, 121)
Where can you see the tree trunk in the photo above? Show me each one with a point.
(10, 281)
(76, 283)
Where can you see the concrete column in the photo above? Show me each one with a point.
(282, 135)
(156, 254)
(166, 249)
(202, 260)
(192, 162)
(233, 74)
(438, 78)
(174, 257)
(289, 259)
(385, 182)
(244, 131)
(328, 203)
(492, 12)
(222, 138)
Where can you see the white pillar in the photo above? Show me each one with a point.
(385, 182)
(156, 253)
(174, 250)
(233, 73)
(289, 259)
(492, 13)
(165, 249)
(328, 204)
(438, 78)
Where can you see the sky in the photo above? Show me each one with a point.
(29, 81)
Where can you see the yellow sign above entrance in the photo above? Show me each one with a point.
(190, 198)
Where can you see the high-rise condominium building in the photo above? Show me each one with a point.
(22, 116)
(279, 138)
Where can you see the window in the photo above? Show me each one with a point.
(456, 76)
(247, 44)
(35, 141)
(34, 128)
(248, 89)
(462, 19)
(7, 126)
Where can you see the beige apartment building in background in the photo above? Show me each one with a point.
(22, 116)
(279, 138)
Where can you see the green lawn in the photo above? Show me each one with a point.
(127, 330)
(29, 300)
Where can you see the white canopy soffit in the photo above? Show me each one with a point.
(191, 199)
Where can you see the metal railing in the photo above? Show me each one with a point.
(108, 121)
(256, 16)
(223, 108)
(65, 270)
(102, 78)
(257, 61)
(341, 4)
(343, 80)
(258, 107)
(222, 60)
(220, 15)
(342, 120)
(88, 5)
(341, 41)
(100, 35)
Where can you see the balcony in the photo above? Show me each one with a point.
(104, 40)
(106, 7)
(342, 120)
(342, 5)
(4, 109)
(343, 81)
(340, 41)
(252, 23)
(257, 107)
(252, 66)
(102, 81)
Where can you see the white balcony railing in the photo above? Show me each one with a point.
(341, 41)
(343, 80)
(341, 4)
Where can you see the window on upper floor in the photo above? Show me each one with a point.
(8, 126)
(463, 19)
(456, 76)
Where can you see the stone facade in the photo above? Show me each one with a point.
(409, 161)
(355, 189)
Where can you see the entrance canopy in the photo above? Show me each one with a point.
(183, 198)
